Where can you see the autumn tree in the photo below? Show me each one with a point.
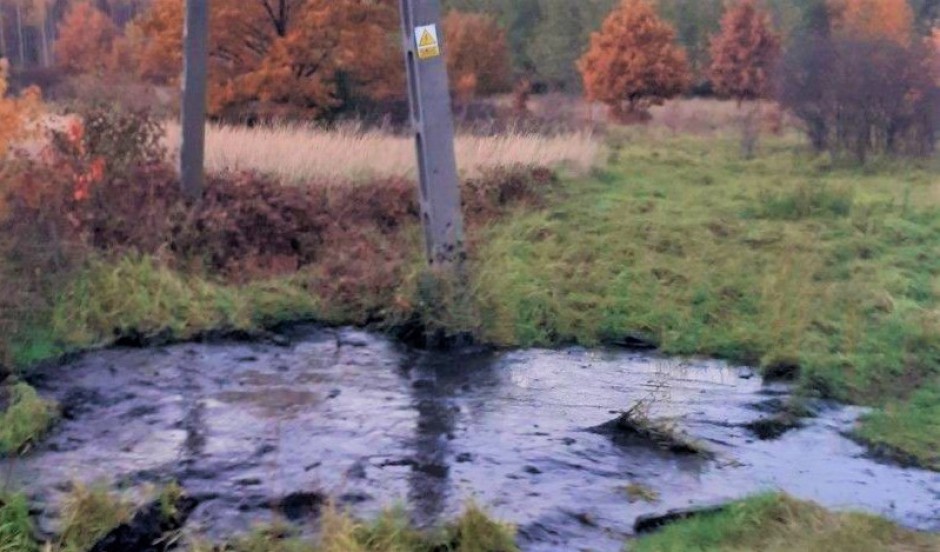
(308, 54)
(744, 53)
(874, 19)
(477, 54)
(16, 115)
(634, 62)
(86, 40)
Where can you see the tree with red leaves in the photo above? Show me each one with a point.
(745, 53)
(86, 40)
(634, 62)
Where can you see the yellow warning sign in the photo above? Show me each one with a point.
(428, 44)
(427, 39)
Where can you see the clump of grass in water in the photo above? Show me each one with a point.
(28, 417)
(778, 523)
(637, 492)
(474, 531)
(88, 514)
(16, 527)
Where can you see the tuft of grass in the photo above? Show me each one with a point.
(808, 199)
(88, 514)
(778, 523)
(391, 532)
(26, 419)
(16, 527)
(474, 531)
(637, 492)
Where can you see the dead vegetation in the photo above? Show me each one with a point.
(301, 155)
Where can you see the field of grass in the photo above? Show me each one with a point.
(775, 523)
(301, 154)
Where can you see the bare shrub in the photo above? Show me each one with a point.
(860, 97)
(489, 195)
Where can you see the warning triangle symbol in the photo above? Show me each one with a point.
(427, 39)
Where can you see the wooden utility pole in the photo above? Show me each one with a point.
(433, 123)
(195, 69)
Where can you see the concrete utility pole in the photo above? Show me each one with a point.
(433, 123)
(195, 68)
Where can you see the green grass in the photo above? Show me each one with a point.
(26, 419)
(779, 261)
(777, 523)
(16, 527)
(908, 430)
(139, 295)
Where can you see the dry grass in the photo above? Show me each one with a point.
(298, 153)
(695, 116)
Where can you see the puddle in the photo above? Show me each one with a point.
(255, 428)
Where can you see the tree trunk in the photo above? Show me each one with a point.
(750, 129)
(3, 33)
(19, 32)
(44, 37)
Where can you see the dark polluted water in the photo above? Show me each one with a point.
(262, 430)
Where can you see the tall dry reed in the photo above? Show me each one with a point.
(298, 153)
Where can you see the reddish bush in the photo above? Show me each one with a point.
(102, 186)
(243, 219)
(496, 190)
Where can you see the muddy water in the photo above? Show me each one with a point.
(257, 430)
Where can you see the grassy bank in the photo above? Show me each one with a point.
(776, 523)
(90, 513)
(764, 523)
(809, 270)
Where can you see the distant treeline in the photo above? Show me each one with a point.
(29, 28)
(548, 36)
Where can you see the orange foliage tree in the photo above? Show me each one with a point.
(477, 53)
(634, 61)
(86, 40)
(16, 116)
(15, 112)
(307, 54)
(745, 53)
(874, 19)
